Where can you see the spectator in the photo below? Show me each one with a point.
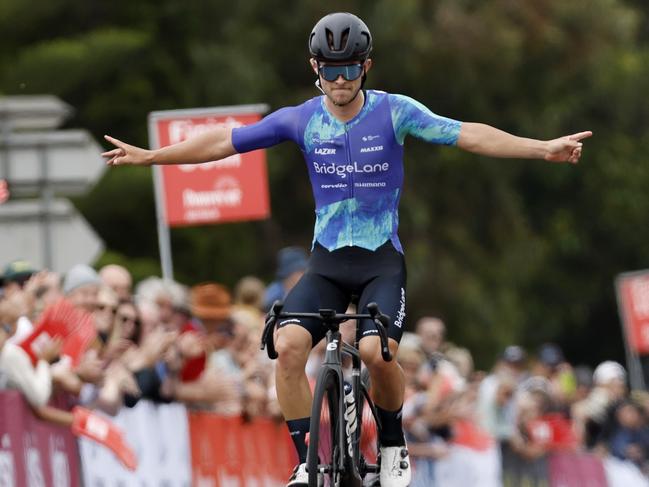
(630, 439)
(552, 365)
(216, 388)
(249, 302)
(497, 390)
(160, 295)
(291, 264)
(20, 279)
(532, 403)
(119, 279)
(428, 415)
(16, 368)
(249, 293)
(411, 357)
(81, 287)
(463, 361)
(15, 275)
(594, 417)
(432, 332)
(104, 313)
(128, 325)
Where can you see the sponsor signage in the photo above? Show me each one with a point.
(34, 453)
(4, 191)
(633, 301)
(232, 189)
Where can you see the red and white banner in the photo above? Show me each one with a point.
(633, 300)
(230, 452)
(160, 440)
(34, 453)
(232, 189)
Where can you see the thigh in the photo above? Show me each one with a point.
(311, 293)
(389, 292)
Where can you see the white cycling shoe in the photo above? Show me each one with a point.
(395, 467)
(300, 477)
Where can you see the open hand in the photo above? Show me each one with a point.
(566, 149)
(50, 351)
(126, 154)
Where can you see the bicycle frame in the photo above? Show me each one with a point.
(350, 463)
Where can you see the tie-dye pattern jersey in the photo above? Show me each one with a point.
(356, 168)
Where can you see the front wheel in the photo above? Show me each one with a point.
(368, 439)
(324, 454)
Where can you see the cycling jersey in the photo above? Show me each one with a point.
(355, 167)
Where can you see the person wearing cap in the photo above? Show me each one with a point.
(593, 415)
(81, 287)
(291, 264)
(352, 140)
(552, 365)
(15, 275)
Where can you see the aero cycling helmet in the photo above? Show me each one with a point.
(340, 37)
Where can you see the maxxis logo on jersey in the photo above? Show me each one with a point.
(376, 148)
(343, 170)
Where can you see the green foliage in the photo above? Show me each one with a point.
(505, 251)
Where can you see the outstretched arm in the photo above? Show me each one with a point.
(211, 145)
(489, 141)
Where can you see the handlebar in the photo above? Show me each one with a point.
(327, 317)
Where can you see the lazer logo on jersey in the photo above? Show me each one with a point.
(375, 148)
(343, 170)
(325, 151)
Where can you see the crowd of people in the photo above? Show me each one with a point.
(164, 342)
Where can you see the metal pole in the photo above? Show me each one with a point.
(164, 240)
(47, 197)
(5, 131)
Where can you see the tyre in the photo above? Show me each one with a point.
(368, 440)
(325, 447)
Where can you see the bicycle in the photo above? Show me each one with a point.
(334, 449)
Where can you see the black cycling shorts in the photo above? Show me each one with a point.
(333, 279)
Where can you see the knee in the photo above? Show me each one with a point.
(292, 346)
(371, 355)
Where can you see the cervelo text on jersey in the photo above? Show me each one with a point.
(356, 168)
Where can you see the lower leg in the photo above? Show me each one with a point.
(293, 345)
(388, 387)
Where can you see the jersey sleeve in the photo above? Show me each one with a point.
(409, 117)
(277, 127)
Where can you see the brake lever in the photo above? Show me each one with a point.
(382, 322)
(267, 340)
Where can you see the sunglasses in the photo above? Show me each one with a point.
(105, 307)
(350, 72)
(128, 319)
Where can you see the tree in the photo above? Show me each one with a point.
(505, 251)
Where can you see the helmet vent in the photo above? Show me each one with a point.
(342, 41)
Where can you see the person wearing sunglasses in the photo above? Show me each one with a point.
(352, 140)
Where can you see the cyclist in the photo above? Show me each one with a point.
(352, 141)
